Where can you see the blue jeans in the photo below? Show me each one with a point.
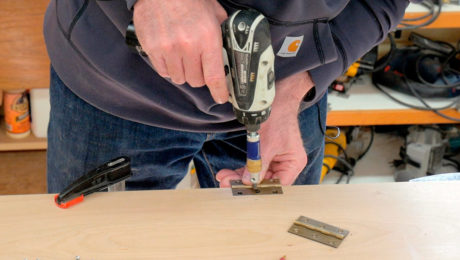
(81, 137)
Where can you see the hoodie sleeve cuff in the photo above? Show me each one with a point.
(130, 4)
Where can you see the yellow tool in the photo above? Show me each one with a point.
(332, 148)
(353, 70)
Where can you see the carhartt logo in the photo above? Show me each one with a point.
(290, 47)
(294, 46)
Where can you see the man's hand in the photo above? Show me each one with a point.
(282, 152)
(183, 40)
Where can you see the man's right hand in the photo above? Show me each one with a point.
(183, 40)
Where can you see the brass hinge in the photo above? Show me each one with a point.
(266, 187)
(318, 231)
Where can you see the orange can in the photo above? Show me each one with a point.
(16, 109)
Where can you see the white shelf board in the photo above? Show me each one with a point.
(417, 8)
(363, 95)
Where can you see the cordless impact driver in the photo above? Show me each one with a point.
(249, 66)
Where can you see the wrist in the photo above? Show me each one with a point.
(137, 3)
(295, 88)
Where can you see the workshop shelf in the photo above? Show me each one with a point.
(28, 143)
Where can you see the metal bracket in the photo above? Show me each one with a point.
(120, 186)
(266, 187)
(318, 231)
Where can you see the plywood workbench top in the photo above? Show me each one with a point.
(386, 221)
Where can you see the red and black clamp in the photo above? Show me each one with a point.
(110, 173)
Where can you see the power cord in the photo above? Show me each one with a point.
(371, 141)
(320, 125)
(428, 14)
(453, 103)
(444, 67)
(344, 162)
(340, 147)
(336, 157)
(436, 111)
(389, 56)
(432, 14)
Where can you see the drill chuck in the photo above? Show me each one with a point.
(253, 119)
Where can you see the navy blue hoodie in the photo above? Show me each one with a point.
(86, 44)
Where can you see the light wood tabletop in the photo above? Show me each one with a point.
(386, 221)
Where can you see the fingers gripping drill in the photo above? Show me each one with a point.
(249, 67)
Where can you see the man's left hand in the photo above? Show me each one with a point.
(281, 146)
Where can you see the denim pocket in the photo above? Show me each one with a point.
(312, 123)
